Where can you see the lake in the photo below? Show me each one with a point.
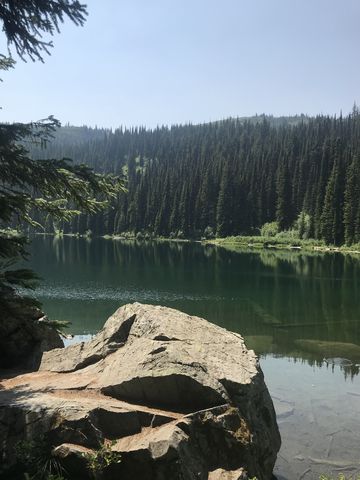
(294, 309)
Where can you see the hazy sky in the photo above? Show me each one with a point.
(149, 62)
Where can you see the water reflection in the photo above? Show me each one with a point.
(287, 303)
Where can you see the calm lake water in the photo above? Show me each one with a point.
(293, 309)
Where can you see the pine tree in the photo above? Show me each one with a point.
(284, 214)
(331, 220)
(26, 22)
(351, 201)
(28, 188)
(223, 209)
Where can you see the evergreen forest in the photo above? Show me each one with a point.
(223, 178)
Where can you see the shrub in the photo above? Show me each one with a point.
(269, 229)
(209, 233)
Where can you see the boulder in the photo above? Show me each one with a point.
(175, 396)
(221, 474)
(24, 336)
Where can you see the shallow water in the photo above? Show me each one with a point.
(293, 309)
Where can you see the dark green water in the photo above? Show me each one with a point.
(293, 309)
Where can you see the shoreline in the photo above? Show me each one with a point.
(248, 242)
(241, 242)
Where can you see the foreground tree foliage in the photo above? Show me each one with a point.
(25, 22)
(55, 188)
(29, 188)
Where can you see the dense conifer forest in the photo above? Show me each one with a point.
(224, 178)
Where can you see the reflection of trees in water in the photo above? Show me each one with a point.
(302, 291)
(349, 371)
(312, 297)
(323, 288)
(274, 295)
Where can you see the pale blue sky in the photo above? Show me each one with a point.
(149, 62)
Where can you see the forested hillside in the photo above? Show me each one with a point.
(225, 178)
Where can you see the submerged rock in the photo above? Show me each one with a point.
(326, 349)
(178, 397)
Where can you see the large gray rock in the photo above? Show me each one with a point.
(179, 397)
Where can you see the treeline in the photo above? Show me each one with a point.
(225, 178)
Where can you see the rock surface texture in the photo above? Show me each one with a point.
(178, 397)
